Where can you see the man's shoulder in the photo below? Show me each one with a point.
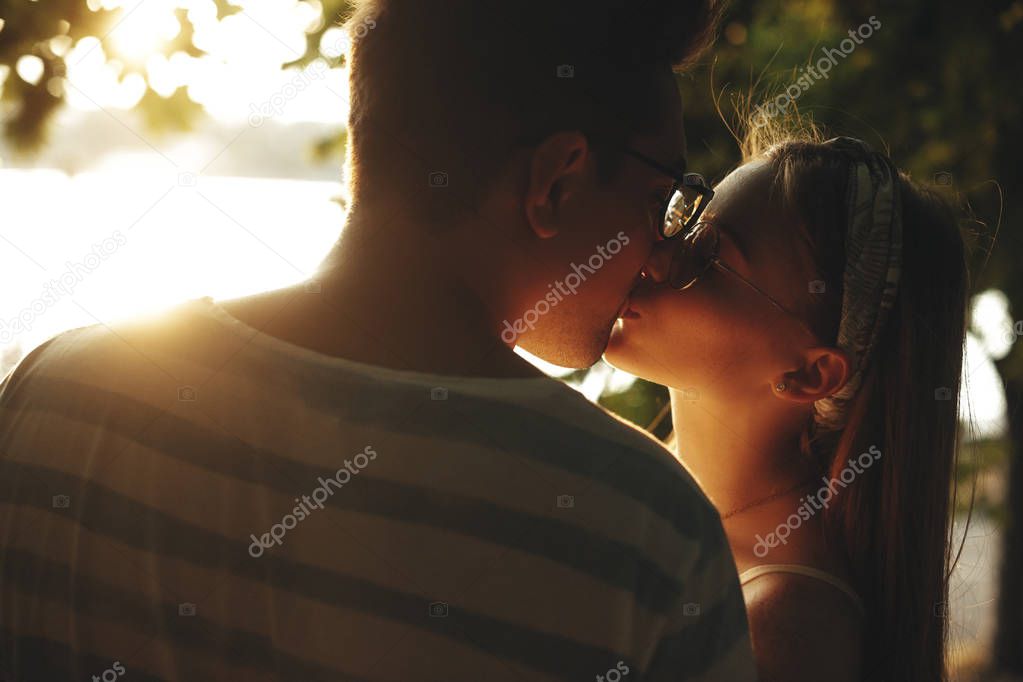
(34, 370)
(638, 449)
(112, 356)
(620, 458)
(673, 490)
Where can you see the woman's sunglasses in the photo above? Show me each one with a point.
(689, 195)
(697, 251)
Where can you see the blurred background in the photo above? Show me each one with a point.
(154, 151)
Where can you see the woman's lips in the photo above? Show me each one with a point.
(638, 297)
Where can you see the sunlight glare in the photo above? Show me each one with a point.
(991, 322)
(163, 242)
(144, 27)
(30, 68)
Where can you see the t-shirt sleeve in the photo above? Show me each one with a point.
(17, 375)
(707, 635)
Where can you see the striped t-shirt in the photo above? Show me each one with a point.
(185, 498)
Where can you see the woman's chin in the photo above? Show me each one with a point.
(621, 351)
(642, 351)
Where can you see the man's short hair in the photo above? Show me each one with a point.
(442, 91)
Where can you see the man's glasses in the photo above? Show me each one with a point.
(697, 251)
(689, 195)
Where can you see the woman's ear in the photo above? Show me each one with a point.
(555, 169)
(824, 371)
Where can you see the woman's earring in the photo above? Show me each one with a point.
(780, 387)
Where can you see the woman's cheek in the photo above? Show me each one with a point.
(699, 332)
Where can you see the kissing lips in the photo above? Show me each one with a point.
(626, 312)
(622, 308)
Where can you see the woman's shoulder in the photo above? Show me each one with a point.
(799, 624)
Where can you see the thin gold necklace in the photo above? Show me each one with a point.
(764, 500)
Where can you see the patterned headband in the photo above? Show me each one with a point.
(873, 262)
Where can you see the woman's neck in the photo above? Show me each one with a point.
(739, 453)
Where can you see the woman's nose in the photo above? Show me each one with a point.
(659, 263)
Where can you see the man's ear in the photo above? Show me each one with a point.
(824, 371)
(555, 169)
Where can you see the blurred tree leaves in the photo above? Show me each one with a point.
(169, 114)
(334, 14)
(35, 28)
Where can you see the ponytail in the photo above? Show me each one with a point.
(892, 523)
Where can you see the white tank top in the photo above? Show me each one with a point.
(755, 572)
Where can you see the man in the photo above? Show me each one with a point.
(357, 478)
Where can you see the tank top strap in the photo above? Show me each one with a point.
(755, 572)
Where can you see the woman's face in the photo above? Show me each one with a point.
(719, 337)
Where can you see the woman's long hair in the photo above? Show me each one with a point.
(893, 521)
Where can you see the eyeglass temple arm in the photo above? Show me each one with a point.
(722, 266)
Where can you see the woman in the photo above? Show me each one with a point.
(810, 327)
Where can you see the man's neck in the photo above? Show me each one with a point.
(402, 306)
